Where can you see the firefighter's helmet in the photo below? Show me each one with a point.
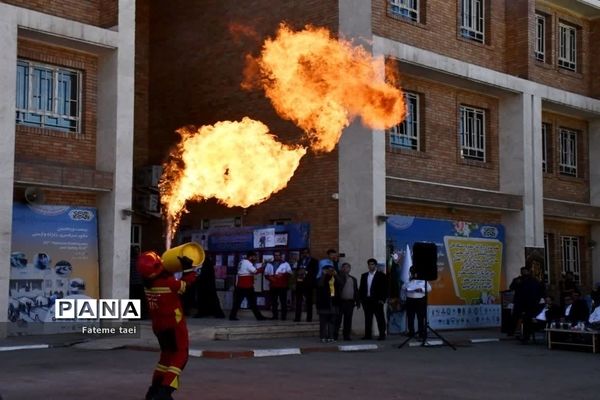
(149, 265)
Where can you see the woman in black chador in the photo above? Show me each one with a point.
(208, 303)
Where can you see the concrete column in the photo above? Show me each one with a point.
(594, 157)
(521, 173)
(8, 73)
(114, 152)
(361, 169)
(361, 164)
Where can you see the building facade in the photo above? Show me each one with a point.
(67, 82)
(502, 125)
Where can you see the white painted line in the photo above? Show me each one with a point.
(357, 347)
(195, 353)
(485, 340)
(25, 347)
(276, 352)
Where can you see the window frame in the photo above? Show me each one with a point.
(411, 138)
(540, 37)
(405, 9)
(468, 151)
(547, 159)
(570, 262)
(567, 49)
(473, 25)
(547, 277)
(27, 96)
(568, 164)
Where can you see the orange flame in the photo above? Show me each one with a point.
(322, 83)
(237, 163)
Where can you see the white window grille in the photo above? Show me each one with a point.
(570, 255)
(540, 37)
(568, 152)
(48, 96)
(408, 9)
(567, 46)
(406, 134)
(546, 259)
(472, 133)
(545, 157)
(472, 17)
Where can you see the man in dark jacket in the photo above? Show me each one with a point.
(528, 301)
(328, 298)
(373, 294)
(305, 276)
(348, 300)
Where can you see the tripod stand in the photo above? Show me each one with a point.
(428, 328)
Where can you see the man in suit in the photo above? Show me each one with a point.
(373, 294)
(576, 309)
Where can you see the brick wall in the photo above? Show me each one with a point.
(87, 12)
(519, 31)
(440, 32)
(557, 228)
(142, 84)
(58, 147)
(109, 12)
(562, 187)
(56, 197)
(448, 213)
(595, 58)
(37, 147)
(195, 72)
(548, 72)
(440, 160)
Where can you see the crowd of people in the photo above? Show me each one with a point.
(534, 309)
(324, 285)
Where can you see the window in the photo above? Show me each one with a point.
(408, 9)
(48, 96)
(568, 152)
(546, 147)
(540, 37)
(472, 17)
(472, 133)
(136, 235)
(570, 255)
(406, 134)
(546, 259)
(567, 47)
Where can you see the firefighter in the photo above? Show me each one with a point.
(168, 322)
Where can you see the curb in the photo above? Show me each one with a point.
(26, 347)
(260, 353)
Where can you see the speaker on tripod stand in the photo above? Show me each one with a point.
(424, 257)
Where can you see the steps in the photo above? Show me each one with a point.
(267, 330)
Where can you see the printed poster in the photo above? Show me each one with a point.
(54, 255)
(264, 238)
(470, 255)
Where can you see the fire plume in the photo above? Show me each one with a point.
(237, 163)
(322, 83)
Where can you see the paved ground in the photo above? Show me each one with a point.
(498, 370)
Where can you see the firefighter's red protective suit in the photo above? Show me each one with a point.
(168, 322)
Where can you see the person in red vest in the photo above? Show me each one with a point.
(244, 287)
(278, 274)
(168, 323)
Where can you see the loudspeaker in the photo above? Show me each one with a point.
(424, 260)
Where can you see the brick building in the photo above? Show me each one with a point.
(70, 67)
(523, 70)
(504, 125)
